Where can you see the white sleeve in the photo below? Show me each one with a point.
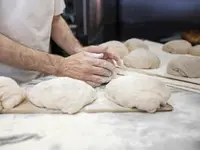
(59, 6)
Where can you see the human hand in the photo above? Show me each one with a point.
(108, 54)
(90, 66)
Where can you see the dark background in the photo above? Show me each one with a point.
(123, 19)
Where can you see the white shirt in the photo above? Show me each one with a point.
(27, 22)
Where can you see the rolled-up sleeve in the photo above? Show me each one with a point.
(59, 6)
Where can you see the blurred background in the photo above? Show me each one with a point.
(97, 21)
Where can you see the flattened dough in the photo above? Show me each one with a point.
(133, 44)
(177, 47)
(63, 93)
(141, 59)
(117, 47)
(185, 66)
(144, 93)
(11, 94)
(195, 50)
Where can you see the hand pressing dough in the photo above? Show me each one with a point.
(141, 59)
(195, 50)
(117, 47)
(143, 93)
(11, 94)
(133, 44)
(63, 93)
(177, 47)
(185, 66)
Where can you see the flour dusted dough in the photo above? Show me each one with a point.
(11, 94)
(117, 47)
(134, 43)
(144, 93)
(177, 47)
(185, 66)
(141, 59)
(63, 93)
(195, 50)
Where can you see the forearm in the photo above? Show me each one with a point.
(17, 55)
(63, 36)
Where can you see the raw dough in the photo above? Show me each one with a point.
(177, 47)
(134, 43)
(185, 66)
(11, 94)
(195, 50)
(144, 93)
(117, 47)
(62, 93)
(141, 59)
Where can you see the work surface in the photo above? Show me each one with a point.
(176, 130)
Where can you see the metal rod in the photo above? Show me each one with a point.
(85, 17)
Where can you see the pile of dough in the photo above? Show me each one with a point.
(11, 94)
(117, 47)
(185, 66)
(62, 93)
(134, 43)
(141, 59)
(195, 50)
(177, 47)
(143, 93)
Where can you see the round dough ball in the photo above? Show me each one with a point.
(195, 50)
(185, 66)
(62, 93)
(141, 59)
(11, 94)
(143, 93)
(134, 43)
(117, 47)
(177, 47)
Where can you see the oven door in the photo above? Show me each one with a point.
(89, 19)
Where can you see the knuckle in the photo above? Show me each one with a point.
(98, 62)
(87, 69)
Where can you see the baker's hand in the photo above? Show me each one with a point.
(108, 54)
(89, 66)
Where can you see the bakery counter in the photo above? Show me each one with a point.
(175, 130)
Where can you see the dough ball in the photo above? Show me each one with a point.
(177, 47)
(195, 50)
(117, 47)
(143, 93)
(134, 43)
(185, 66)
(141, 59)
(62, 93)
(11, 94)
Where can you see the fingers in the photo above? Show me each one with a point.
(103, 64)
(98, 79)
(113, 56)
(93, 84)
(107, 54)
(100, 71)
(97, 49)
(94, 55)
